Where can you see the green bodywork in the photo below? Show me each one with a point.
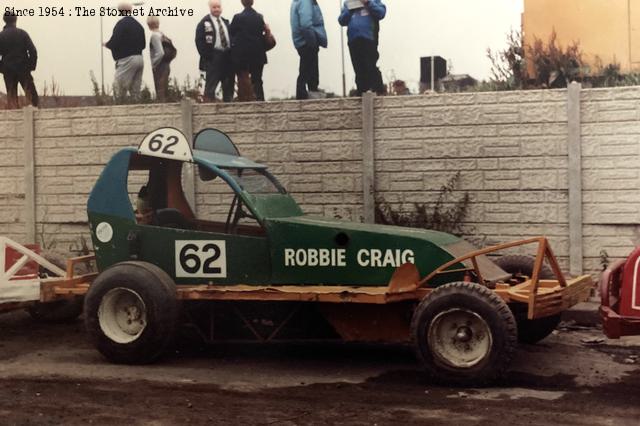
(291, 249)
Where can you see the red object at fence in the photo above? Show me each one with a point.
(620, 297)
(29, 270)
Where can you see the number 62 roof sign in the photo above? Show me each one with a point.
(166, 142)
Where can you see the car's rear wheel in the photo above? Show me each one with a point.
(131, 311)
(529, 331)
(464, 334)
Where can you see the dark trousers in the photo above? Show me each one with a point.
(308, 75)
(29, 87)
(255, 73)
(161, 80)
(256, 80)
(219, 71)
(364, 57)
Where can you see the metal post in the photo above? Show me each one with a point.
(368, 158)
(344, 77)
(186, 108)
(102, 55)
(29, 176)
(575, 179)
(433, 78)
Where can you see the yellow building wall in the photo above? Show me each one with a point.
(605, 29)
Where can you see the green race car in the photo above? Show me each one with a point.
(252, 264)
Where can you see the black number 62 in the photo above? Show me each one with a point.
(191, 259)
(157, 143)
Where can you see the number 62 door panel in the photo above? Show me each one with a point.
(193, 257)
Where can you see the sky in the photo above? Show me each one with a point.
(458, 30)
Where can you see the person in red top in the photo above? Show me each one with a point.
(19, 58)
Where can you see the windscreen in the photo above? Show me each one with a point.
(255, 181)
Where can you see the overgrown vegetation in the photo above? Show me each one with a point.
(549, 65)
(446, 214)
(189, 88)
(508, 70)
(604, 259)
(552, 65)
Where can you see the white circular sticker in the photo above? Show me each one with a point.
(104, 232)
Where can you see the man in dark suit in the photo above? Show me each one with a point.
(19, 58)
(248, 49)
(214, 46)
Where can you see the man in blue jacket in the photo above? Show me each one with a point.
(307, 30)
(362, 20)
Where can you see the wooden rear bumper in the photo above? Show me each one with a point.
(551, 298)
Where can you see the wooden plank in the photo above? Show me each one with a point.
(478, 253)
(50, 289)
(328, 294)
(542, 246)
(554, 265)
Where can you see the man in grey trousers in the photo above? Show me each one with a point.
(126, 44)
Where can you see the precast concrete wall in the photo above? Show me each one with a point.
(534, 163)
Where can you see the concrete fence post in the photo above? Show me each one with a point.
(189, 184)
(368, 158)
(29, 175)
(575, 179)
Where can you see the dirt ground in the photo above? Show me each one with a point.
(49, 374)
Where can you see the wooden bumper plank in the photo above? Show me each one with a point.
(328, 294)
(550, 298)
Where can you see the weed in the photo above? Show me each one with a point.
(604, 259)
(443, 215)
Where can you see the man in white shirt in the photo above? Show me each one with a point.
(214, 47)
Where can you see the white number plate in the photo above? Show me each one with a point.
(201, 259)
(166, 143)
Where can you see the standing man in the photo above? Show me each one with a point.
(162, 53)
(214, 46)
(307, 30)
(362, 20)
(19, 58)
(126, 44)
(249, 47)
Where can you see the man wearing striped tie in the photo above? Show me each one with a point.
(214, 47)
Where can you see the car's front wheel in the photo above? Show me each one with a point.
(464, 334)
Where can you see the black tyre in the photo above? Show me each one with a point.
(521, 265)
(61, 310)
(529, 331)
(464, 334)
(131, 311)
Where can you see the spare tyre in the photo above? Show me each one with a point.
(529, 331)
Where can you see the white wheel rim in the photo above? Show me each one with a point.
(459, 338)
(122, 315)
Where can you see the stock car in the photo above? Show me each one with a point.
(266, 271)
